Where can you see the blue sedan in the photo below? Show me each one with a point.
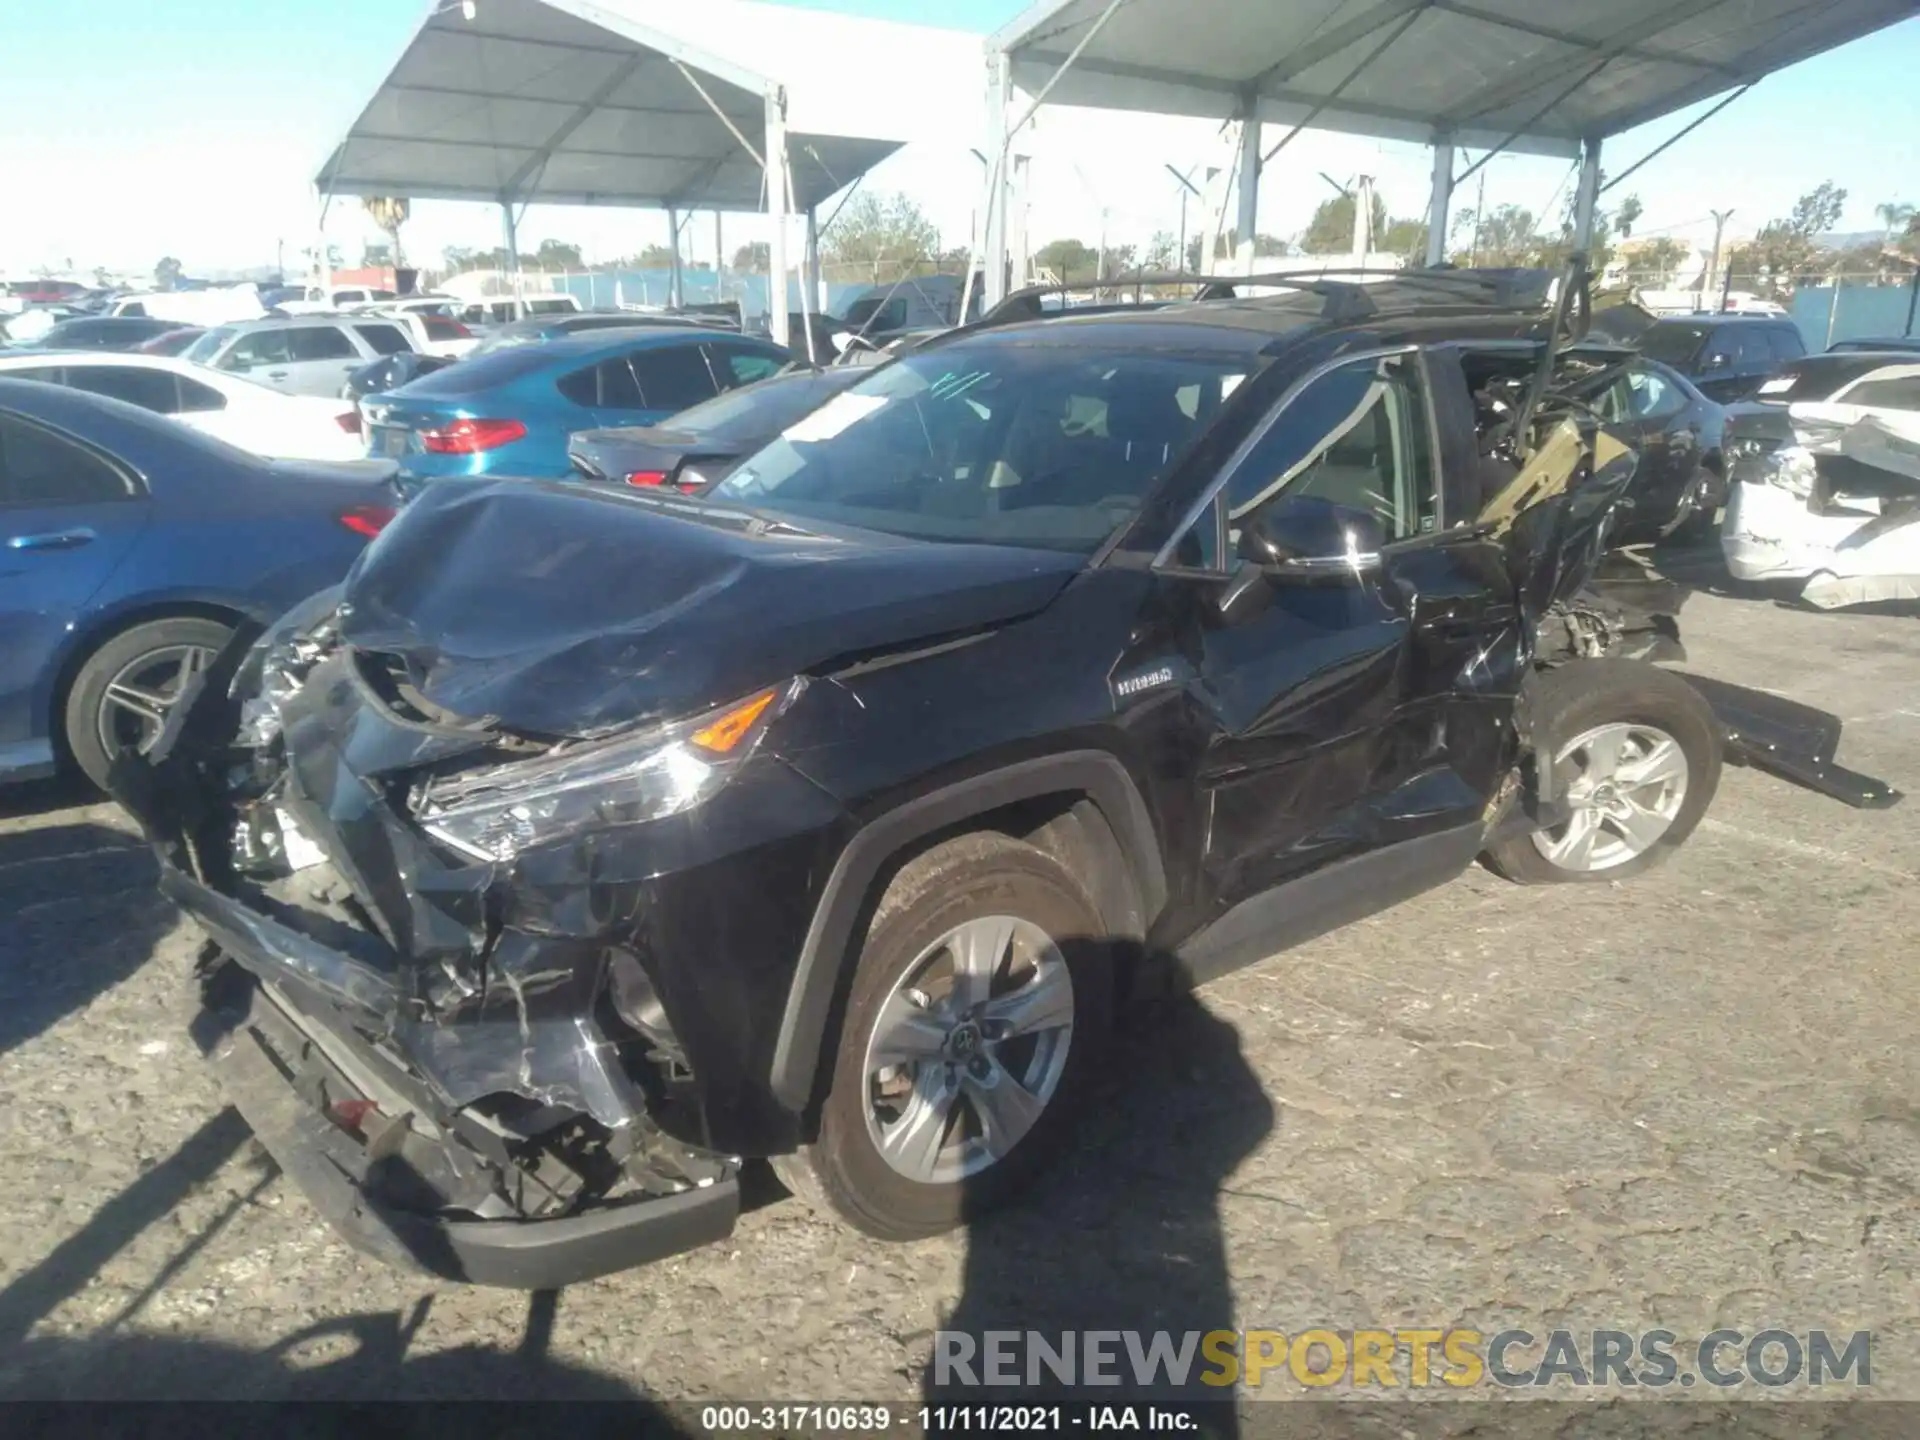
(131, 550)
(510, 412)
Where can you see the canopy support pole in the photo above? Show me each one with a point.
(511, 238)
(1440, 203)
(1586, 197)
(777, 186)
(993, 258)
(1019, 248)
(1247, 221)
(674, 300)
(815, 280)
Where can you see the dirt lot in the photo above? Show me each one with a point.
(1688, 1101)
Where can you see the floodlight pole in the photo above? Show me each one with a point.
(674, 300)
(1440, 203)
(1586, 197)
(814, 279)
(777, 185)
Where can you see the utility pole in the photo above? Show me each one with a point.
(1479, 218)
(1100, 261)
(1720, 218)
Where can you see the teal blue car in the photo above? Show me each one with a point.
(510, 412)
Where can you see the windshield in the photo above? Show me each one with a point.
(202, 351)
(989, 443)
(1673, 344)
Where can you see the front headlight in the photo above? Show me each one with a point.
(495, 813)
(1792, 469)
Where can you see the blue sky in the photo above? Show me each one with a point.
(125, 136)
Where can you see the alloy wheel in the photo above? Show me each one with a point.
(143, 692)
(1628, 784)
(968, 1049)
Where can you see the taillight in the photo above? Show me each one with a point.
(469, 437)
(367, 520)
(647, 477)
(349, 422)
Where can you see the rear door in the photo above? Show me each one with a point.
(69, 515)
(736, 363)
(1649, 410)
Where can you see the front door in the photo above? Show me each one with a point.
(1346, 722)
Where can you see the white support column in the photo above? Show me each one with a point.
(1587, 196)
(675, 295)
(1247, 222)
(816, 282)
(992, 259)
(1019, 245)
(511, 239)
(1440, 201)
(776, 170)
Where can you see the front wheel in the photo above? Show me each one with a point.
(1636, 754)
(978, 1008)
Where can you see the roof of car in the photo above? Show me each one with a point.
(1726, 317)
(283, 322)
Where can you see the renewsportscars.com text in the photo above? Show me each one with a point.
(1387, 1359)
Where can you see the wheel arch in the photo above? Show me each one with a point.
(1082, 807)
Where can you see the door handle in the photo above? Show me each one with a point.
(52, 540)
(276, 374)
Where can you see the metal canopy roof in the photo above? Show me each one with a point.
(570, 102)
(1541, 74)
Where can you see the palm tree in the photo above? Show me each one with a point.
(389, 213)
(1894, 215)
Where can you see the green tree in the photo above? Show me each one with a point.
(887, 235)
(1405, 237)
(167, 273)
(1786, 254)
(1503, 236)
(1160, 250)
(1068, 260)
(1330, 232)
(389, 212)
(754, 259)
(377, 255)
(1628, 215)
(558, 255)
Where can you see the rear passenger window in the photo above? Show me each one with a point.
(149, 389)
(38, 467)
(385, 339)
(672, 377)
(736, 365)
(321, 342)
(260, 347)
(582, 387)
(1899, 394)
(1785, 342)
(197, 399)
(1357, 436)
(618, 389)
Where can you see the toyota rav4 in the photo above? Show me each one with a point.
(588, 845)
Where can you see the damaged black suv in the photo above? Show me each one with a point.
(589, 845)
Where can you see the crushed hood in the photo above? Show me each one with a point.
(554, 609)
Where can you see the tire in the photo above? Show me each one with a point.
(1580, 712)
(147, 661)
(934, 1185)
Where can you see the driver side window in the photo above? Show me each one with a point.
(1357, 436)
(1651, 396)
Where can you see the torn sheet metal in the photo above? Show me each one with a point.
(1791, 740)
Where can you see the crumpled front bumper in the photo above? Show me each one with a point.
(273, 1060)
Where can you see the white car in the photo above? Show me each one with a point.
(429, 323)
(1839, 508)
(249, 415)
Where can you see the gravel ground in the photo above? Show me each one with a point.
(1686, 1101)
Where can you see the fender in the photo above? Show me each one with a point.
(823, 956)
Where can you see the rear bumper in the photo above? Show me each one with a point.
(270, 1065)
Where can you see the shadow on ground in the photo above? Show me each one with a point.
(84, 913)
(1123, 1230)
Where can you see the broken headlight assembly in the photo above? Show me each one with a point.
(1792, 469)
(496, 812)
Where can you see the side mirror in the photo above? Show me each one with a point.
(1307, 536)
(1718, 362)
